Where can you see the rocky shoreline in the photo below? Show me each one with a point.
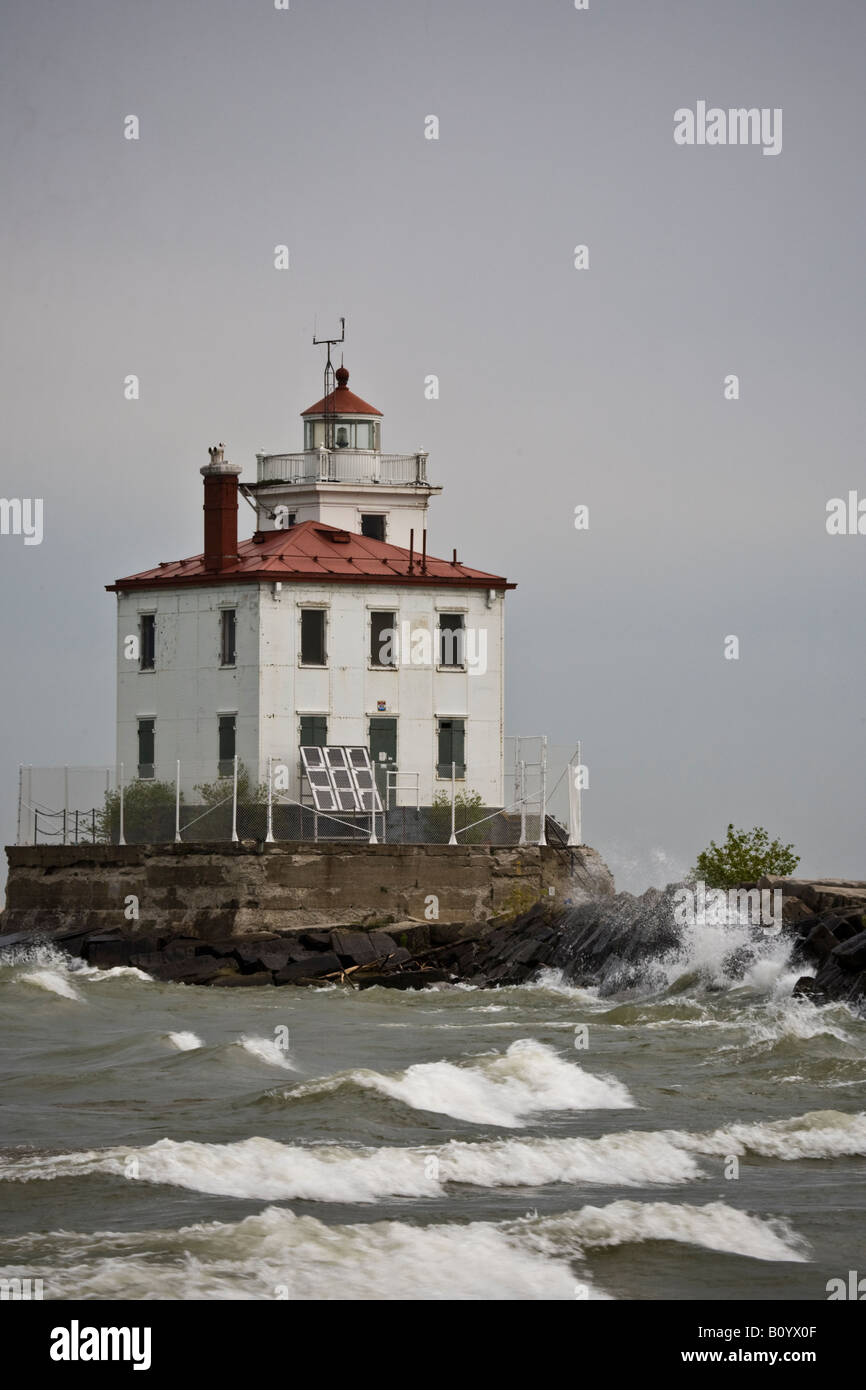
(611, 943)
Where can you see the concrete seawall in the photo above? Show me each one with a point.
(218, 891)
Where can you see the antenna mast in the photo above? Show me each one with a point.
(330, 382)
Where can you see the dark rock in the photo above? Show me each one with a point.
(107, 950)
(325, 963)
(386, 948)
(413, 938)
(851, 955)
(260, 977)
(404, 979)
(804, 987)
(356, 947)
(316, 940)
(819, 943)
(269, 955)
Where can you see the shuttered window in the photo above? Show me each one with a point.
(452, 747)
(146, 747)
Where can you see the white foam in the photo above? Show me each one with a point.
(817, 1134)
(185, 1042)
(276, 1254)
(503, 1089)
(715, 1226)
(266, 1050)
(55, 981)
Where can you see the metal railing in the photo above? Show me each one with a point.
(189, 801)
(343, 466)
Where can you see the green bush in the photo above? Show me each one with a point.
(148, 813)
(468, 807)
(745, 856)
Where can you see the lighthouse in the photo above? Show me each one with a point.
(335, 623)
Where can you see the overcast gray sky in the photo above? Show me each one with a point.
(559, 387)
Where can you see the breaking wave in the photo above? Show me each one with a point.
(503, 1089)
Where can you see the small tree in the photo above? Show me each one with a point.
(213, 818)
(148, 813)
(468, 807)
(745, 856)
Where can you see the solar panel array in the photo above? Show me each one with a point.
(341, 779)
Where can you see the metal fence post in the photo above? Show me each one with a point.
(541, 828)
(574, 826)
(177, 804)
(65, 802)
(235, 799)
(269, 834)
(453, 840)
(121, 840)
(18, 839)
(522, 840)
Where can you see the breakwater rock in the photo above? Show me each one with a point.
(616, 943)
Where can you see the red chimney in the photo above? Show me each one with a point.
(220, 510)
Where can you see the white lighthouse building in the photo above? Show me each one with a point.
(333, 624)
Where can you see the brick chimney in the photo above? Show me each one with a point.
(220, 510)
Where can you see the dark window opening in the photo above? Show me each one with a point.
(373, 526)
(147, 642)
(228, 624)
(146, 748)
(227, 744)
(313, 636)
(314, 730)
(451, 639)
(383, 637)
(452, 747)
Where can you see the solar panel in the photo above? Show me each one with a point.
(341, 778)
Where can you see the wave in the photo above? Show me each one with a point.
(266, 1050)
(54, 981)
(504, 1089)
(263, 1168)
(715, 1226)
(276, 1254)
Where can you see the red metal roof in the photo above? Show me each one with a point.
(314, 550)
(341, 400)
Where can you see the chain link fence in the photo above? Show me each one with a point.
(187, 801)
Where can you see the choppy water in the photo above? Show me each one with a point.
(160, 1141)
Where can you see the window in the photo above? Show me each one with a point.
(312, 637)
(314, 730)
(147, 641)
(146, 747)
(362, 436)
(373, 526)
(228, 627)
(452, 747)
(290, 520)
(382, 639)
(383, 750)
(451, 639)
(342, 439)
(227, 744)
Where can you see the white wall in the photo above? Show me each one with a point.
(188, 689)
(269, 689)
(341, 506)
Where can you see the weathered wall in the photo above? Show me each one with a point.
(233, 890)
